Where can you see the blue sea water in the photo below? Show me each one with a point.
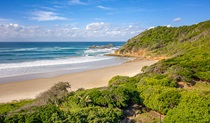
(46, 59)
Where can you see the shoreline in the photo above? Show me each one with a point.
(29, 89)
(82, 67)
(48, 71)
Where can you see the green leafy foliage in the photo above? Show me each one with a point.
(51, 114)
(194, 107)
(123, 80)
(116, 96)
(118, 80)
(35, 114)
(157, 79)
(7, 107)
(94, 115)
(186, 67)
(159, 98)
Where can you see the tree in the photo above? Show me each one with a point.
(54, 95)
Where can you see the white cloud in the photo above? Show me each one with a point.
(130, 26)
(76, 2)
(46, 16)
(13, 31)
(14, 25)
(152, 27)
(169, 25)
(177, 19)
(114, 32)
(103, 7)
(96, 26)
(75, 28)
(99, 31)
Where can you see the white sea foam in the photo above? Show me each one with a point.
(40, 49)
(60, 48)
(106, 50)
(70, 48)
(45, 66)
(19, 49)
(56, 67)
(38, 63)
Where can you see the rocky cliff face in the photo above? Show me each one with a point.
(140, 53)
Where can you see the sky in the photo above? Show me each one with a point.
(93, 20)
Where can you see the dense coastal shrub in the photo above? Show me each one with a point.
(52, 114)
(36, 114)
(94, 115)
(159, 98)
(118, 80)
(187, 67)
(194, 107)
(116, 96)
(158, 79)
(122, 80)
(7, 107)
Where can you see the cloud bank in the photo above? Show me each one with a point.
(96, 31)
(96, 26)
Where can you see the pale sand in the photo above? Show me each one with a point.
(87, 79)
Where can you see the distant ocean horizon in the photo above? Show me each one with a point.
(30, 60)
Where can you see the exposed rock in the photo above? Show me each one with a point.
(142, 54)
(102, 46)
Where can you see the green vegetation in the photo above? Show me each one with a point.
(188, 47)
(193, 107)
(81, 106)
(169, 41)
(157, 90)
(159, 98)
(5, 108)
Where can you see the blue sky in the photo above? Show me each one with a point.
(93, 20)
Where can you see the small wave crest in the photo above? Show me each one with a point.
(99, 51)
(2, 50)
(18, 49)
(39, 63)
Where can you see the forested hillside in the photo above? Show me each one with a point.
(168, 41)
(187, 49)
(177, 89)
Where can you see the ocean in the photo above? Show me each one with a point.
(29, 60)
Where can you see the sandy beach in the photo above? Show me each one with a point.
(88, 79)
